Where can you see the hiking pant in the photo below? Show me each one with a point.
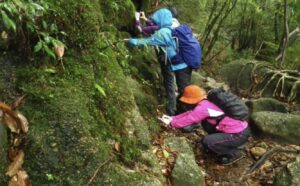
(169, 85)
(222, 143)
(183, 78)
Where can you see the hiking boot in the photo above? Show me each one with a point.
(228, 160)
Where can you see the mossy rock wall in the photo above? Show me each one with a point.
(3, 151)
(78, 115)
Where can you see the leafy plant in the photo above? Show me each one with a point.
(100, 89)
(25, 21)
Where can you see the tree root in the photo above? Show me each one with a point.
(266, 156)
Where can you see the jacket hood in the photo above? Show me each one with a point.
(162, 18)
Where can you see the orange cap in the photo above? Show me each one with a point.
(193, 94)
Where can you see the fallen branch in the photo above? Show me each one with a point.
(96, 172)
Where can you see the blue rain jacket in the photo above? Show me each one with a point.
(162, 38)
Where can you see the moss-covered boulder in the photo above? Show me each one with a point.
(185, 171)
(258, 78)
(266, 104)
(118, 175)
(290, 175)
(283, 126)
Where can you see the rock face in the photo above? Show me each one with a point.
(282, 125)
(185, 171)
(3, 150)
(290, 175)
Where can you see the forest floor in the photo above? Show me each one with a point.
(234, 174)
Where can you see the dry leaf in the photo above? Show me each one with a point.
(4, 35)
(13, 181)
(17, 103)
(155, 149)
(12, 153)
(11, 123)
(117, 146)
(21, 179)
(16, 165)
(59, 51)
(23, 123)
(164, 171)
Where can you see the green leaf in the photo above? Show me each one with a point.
(63, 33)
(45, 26)
(38, 7)
(38, 46)
(100, 89)
(8, 23)
(166, 154)
(49, 52)
(19, 3)
(50, 70)
(30, 27)
(53, 28)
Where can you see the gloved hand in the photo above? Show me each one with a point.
(166, 120)
(143, 16)
(137, 16)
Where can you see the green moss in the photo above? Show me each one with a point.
(3, 153)
(73, 126)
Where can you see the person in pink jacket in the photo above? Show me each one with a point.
(225, 135)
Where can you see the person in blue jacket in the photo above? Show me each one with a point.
(163, 39)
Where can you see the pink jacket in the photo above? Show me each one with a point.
(206, 109)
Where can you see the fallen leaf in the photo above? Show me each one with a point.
(166, 154)
(23, 123)
(17, 103)
(12, 153)
(117, 146)
(21, 179)
(16, 165)
(13, 181)
(11, 123)
(155, 149)
(164, 171)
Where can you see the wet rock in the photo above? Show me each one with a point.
(257, 151)
(290, 175)
(266, 104)
(282, 125)
(185, 171)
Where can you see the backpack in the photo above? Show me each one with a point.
(188, 47)
(229, 103)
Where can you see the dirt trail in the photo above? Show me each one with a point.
(231, 174)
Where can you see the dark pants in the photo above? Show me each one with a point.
(223, 143)
(183, 78)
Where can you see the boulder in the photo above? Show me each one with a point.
(282, 125)
(266, 104)
(290, 175)
(185, 171)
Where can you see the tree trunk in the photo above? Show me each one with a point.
(216, 32)
(286, 32)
